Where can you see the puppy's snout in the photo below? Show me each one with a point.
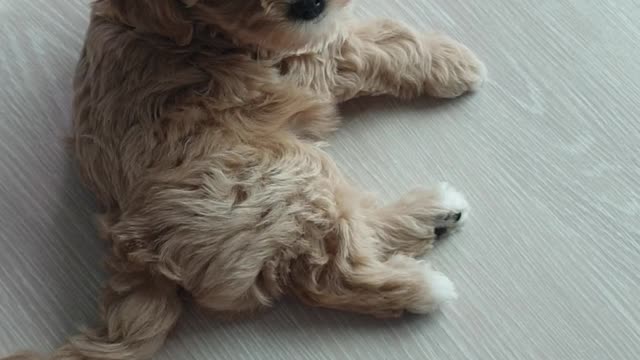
(307, 9)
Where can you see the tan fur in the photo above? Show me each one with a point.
(197, 125)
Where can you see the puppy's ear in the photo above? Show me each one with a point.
(167, 18)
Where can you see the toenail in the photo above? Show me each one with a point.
(458, 216)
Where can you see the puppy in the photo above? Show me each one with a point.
(197, 124)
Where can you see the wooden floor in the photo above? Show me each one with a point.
(548, 153)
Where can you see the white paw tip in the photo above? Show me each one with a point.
(442, 288)
(452, 199)
(480, 77)
(440, 291)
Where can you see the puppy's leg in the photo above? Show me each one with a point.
(364, 284)
(384, 57)
(352, 267)
(411, 225)
(138, 313)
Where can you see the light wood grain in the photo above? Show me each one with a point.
(548, 154)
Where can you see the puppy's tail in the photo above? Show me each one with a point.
(137, 318)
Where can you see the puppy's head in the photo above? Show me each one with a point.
(269, 24)
(276, 24)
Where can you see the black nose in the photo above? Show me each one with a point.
(307, 9)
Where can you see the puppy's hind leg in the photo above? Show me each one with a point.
(411, 225)
(380, 288)
(354, 274)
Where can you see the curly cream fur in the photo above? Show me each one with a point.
(197, 124)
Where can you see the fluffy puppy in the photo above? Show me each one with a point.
(197, 124)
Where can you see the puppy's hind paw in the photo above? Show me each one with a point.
(453, 209)
(440, 290)
(453, 202)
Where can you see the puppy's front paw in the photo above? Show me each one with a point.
(454, 69)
